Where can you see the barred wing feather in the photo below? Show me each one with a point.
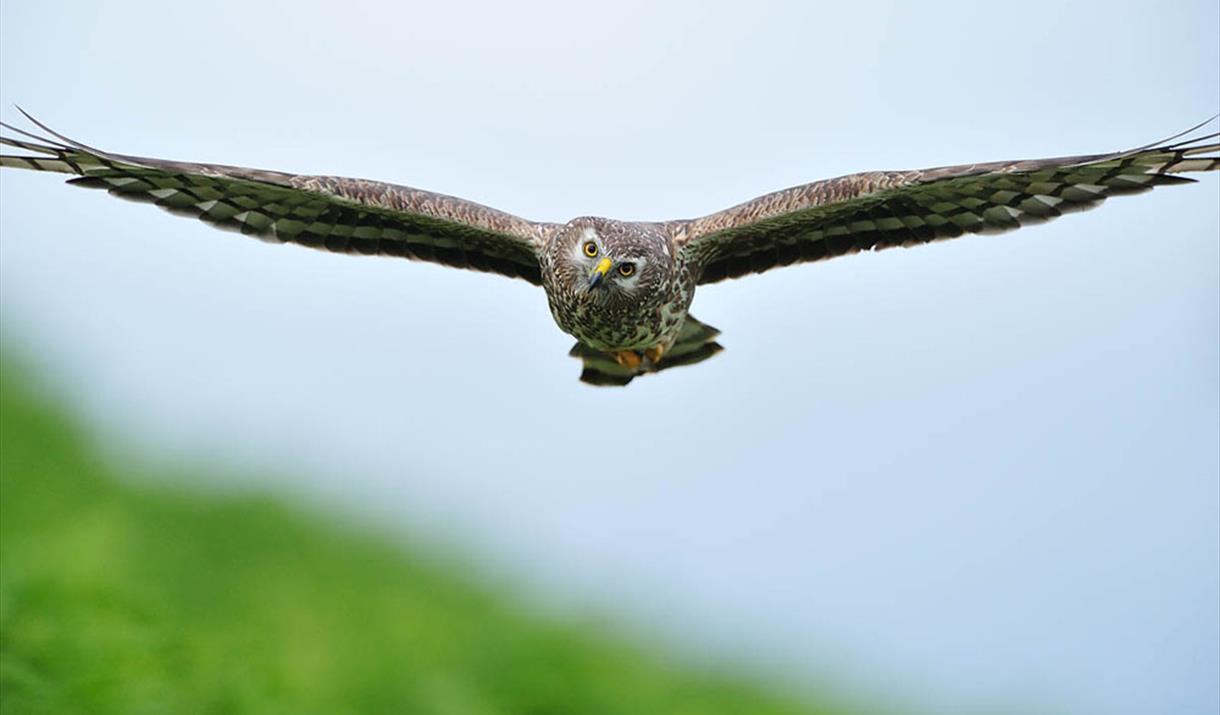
(326, 212)
(882, 209)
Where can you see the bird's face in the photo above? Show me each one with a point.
(605, 264)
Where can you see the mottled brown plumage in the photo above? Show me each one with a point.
(635, 312)
(621, 288)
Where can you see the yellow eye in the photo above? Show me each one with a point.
(626, 270)
(591, 249)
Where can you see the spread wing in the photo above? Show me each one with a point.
(326, 212)
(882, 209)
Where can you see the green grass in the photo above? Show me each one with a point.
(120, 598)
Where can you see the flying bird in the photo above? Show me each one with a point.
(623, 289)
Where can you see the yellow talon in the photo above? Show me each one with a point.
(654, 354)
(628, 359)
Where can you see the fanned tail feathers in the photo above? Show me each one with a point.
(696, 342)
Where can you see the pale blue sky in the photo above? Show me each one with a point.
(980, 473)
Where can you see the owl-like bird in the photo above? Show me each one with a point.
(623, 289)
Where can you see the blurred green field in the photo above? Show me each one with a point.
(124, 599)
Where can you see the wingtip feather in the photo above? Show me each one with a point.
(69, 142)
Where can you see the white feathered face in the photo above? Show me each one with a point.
(609, 267)
(606, 263)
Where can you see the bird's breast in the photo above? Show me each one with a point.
(613, 325)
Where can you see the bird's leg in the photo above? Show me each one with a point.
(654, 354)
(628, 358)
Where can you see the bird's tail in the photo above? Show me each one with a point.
(696, 342)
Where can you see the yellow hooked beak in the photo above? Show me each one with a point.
(603, 267)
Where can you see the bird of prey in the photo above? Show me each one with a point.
(623, 289)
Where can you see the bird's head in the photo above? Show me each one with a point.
(610, 261)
